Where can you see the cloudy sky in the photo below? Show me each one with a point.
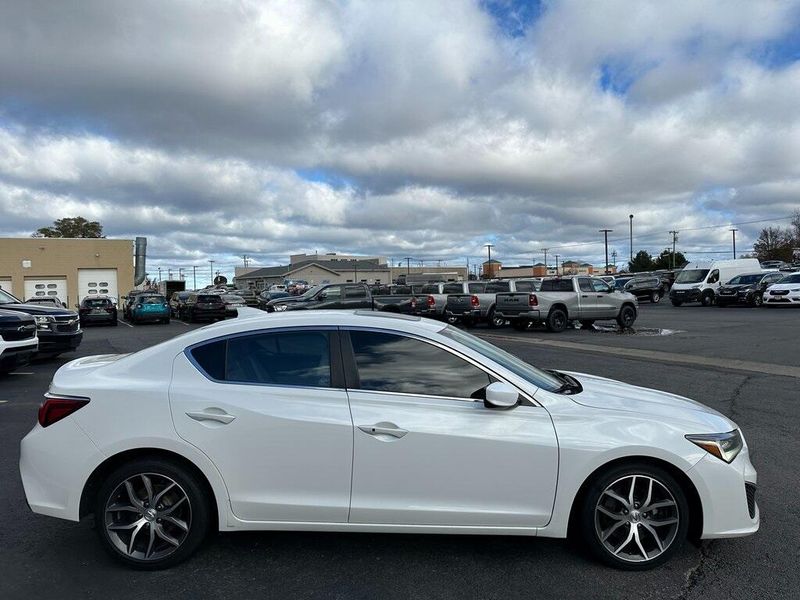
(411, 128)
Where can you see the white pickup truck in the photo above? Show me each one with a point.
(564, 299)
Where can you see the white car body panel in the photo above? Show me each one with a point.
(792, 298)
(492, 460)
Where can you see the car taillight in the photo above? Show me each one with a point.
(474, 302)
(431, 301)
(110, 309)
(413, 303)
(533, 300)
(54, 409)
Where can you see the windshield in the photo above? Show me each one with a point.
(97, 302)
(232, 298)
(312, 292)
(528, 372)
(691, 276)
(6, 298)
(794, 278)
(746, 279)
(211, 299)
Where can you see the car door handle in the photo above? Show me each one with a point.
(383, 429)
(585, 296)
(211, 414)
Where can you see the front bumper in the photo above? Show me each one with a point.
(56, 341)
(17, 354)
(724, 496)
(692, 295)
(793, 298)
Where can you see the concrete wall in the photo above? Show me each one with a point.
(43, 258)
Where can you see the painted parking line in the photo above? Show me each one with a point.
(20, 373)
(3, 401)
(727, 364)
(124, 323)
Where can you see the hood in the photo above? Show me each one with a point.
(738, 286)
(14, 317)
(599, 392)
(784, 286)
(37, 309)
(286, 300)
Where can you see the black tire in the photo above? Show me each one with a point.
(655, 297)
(520, 324)
(758, 301)
(494, 322)
(592, 523)
(198, 521)
(556, 320)
(676, 302)
(707, 299)
(626, 317)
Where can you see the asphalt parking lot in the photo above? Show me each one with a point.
(742, 362)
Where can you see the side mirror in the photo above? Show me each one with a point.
(321, 296)
(501, 396)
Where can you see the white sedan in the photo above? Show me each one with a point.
(785, 292)
(343, 421)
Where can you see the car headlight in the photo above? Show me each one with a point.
(795, 290)
(43, 322)
(281, 307)
(725, 446)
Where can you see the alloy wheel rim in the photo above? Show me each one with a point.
(636, 518)
(148, 516)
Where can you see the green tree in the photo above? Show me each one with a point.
(71, 227)
(664, 260)
(641, 262)
(774, 243)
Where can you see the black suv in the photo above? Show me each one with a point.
(59, 329)
(747, 288)
(649, 288)
(97, 309)
(207, 307)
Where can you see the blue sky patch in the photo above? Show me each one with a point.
(514, 17)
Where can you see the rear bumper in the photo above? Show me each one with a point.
(462, 314)
(511, 315)
(54, 463)
(99, 318)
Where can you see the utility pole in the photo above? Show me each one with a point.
(212, 271)
(545, 260)
(408, 265)
(355, 269)
(489, 264)
(244, 259)
(674, 239)
(180, 273)
(605, 233)
(733, 231)
(159, 273)
(614, 259)
(630, 217)
(194, 276)
(557, 255)
(169, 274)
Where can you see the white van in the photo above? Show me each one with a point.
(699, 280)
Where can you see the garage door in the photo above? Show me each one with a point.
(46, 288)
(97, 282)
(5, 284)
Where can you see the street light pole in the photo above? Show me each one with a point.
(605, 233)
(674, 239)
(630, 217)
(557, 255)
(733, 231)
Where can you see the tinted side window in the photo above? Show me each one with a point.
(430, 289)
(453, 288)
(714, 277)
(600, 286)
(498, 286)
(299, 358)
(585, 284)
(394, 363)
(211, 358)
(557, 285)
(525, 286)
(476, 288)
(333, 292)
(355, 291)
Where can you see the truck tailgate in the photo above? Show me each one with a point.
(512, 303)
(458, 304)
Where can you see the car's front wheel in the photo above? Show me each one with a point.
(151, 513)
(635, 516)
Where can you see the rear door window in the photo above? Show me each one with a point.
(476, 287)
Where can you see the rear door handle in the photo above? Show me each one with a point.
(211, 414)
(383, 429)
(585, 296)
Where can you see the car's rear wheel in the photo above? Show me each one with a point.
(151, 513)
(494, 321)
(634, 516)
(556, 320)
(655, 297)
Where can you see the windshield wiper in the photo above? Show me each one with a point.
(570, 385)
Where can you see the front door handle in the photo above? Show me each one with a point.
(383, 429)
(211, 414)
(585, 296)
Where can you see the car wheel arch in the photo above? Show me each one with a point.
(95, 480)
(687, 485)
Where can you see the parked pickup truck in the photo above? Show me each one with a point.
(565, 299)
(479, 307)
(347, 296)
(435, 296)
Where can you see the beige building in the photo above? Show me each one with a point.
(67, 268)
